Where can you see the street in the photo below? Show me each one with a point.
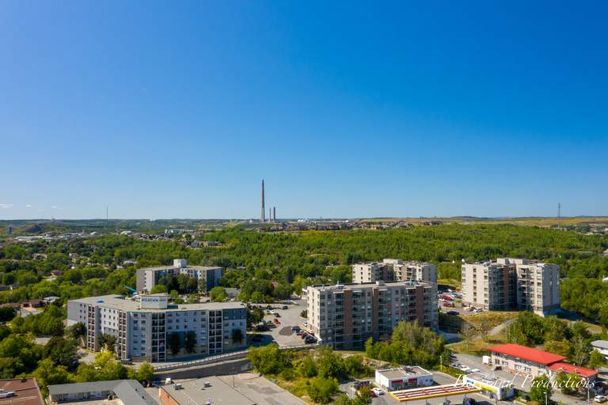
(519, 381)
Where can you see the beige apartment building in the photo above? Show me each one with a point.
(509, 283)
(394, 270)
(345, 316)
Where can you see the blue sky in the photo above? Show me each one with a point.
(347, 109)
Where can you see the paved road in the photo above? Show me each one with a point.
(519, 382)
(440, 379)
(282, 334)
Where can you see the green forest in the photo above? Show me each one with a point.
(272, 265)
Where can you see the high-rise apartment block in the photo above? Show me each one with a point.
(512, 284)
(207, 277)
(143, 327)
(345, 316)
(394, 270)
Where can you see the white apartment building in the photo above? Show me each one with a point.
(538, 287)
(511, 283)
(142, 328)
(394, 270)
(208, 277)
(345, 316)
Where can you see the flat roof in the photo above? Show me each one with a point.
(130, 392)
(354, 286)
(403, 372)
(122, 303)
(26, 392)
(242, 389)
(602, 344)
(171, 267)
(527, 353)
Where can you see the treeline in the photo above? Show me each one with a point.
(57, 361)
(315, 374)
(572, 340)
(270, 266)
(410, 344)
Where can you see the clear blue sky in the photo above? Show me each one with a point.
(179, 109)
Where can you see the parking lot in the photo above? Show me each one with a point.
(519, 381)
(439, 379)
(282, 334)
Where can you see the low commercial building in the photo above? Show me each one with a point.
(207, 277)
(241, 389)
(22, 391)
(509, 283)
(534, 362)
(402, 378)
(491, 386)
(394, 270)
(601, 346)
(345, 316)
(145, 328)
(124, 392)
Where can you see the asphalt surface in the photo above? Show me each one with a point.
(288, 318)
(519, 382)
(439, 379)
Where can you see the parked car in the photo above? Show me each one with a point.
(455, 313)
(295, 328)
(600, 399)
(377, 391)
(285, 307)
(464, 369)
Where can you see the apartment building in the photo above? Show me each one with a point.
(142, 327)
(538, 287)
(345, 316)
(394, 270)
(509, 283)
(207, 277)
(371, 272)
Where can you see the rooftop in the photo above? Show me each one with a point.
(26, 392)
(171, 267)
(356, 286)
(600, 344)
(125, 304)
(242, 389)
(572, 369)
(403, 372)
(130, 392)
(527, 353)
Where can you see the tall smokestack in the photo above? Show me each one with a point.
(274, 214)
(263, 215)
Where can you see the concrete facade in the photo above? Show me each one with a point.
(143, 327)
(207, 277)
(394, 270)
(403, 378)
(345, 316)
(512, 284)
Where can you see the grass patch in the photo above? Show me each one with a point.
(488, 320)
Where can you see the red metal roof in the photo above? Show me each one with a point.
(527, 353)
(572, 369)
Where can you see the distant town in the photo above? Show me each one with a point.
(432, 325)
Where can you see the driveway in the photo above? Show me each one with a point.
(439, 379)
(520, 382)
(282, 334)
